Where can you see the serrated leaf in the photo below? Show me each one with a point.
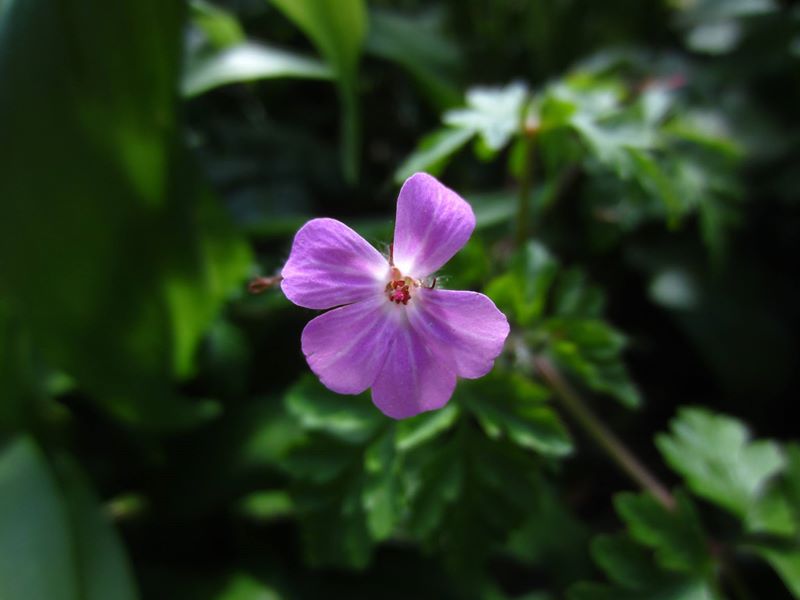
(718, 460)
(248, 62)
(352, 419)
(468, 496)
(591, 349)
(625, 562)
(511, 406)
(495, 113)
(522, 292)
(676, 536)
(425, 427)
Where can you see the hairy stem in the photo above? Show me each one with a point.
(602, 435)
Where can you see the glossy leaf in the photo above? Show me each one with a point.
(248, 62)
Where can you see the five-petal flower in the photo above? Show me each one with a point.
(393, 330)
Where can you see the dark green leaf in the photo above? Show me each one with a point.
(676, 536)
(511, 406)
(352, 419)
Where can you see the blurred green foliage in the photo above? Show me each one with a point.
(160, 433)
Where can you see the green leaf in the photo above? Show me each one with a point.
(591, 349)
(432, 152)
(63, 533)
(717, 459)
(242, 586)
(509, 405)
(677, 590)
(220, 27)
(34, 529)
(418, 45)
(330, 509)
(467, 494)
(625, 562)
(104, 571)
(787, 564)
(163, 256)
(495, 113)
(425, 427)
(522, 292)
(248, 62)
(382, 488)
(338, 30)
(352, 419)
(676, 536)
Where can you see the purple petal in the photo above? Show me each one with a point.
(433, 223)
(330, 265)
(412, 379)
(347, 346)
(464, 329)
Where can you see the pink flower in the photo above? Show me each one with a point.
(393, 330)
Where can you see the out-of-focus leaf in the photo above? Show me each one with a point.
(494, 113)
(676, 590)
(493, 209)
(104, 571)
(248, 61)
(163, 257)
(425, 427)
(266, 505)
(432, 152)
(676, 536)
(718, 460)
(511, 406)
(383, 493)
(220, 27)
(63, 534)
(626, 563)
(418, 45)
(338, 30)
(352, 419)
(242, 586)
(34, 529)
(787, 564)
(331, 511)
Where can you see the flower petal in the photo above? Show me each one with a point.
(433, 223)
(330, 265)
(412, 380)
(464, 329)
(347, 346)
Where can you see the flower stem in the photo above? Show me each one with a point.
(602, 435)
(526, 177)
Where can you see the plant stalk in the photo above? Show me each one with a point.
(526, 177)
(602, 435)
